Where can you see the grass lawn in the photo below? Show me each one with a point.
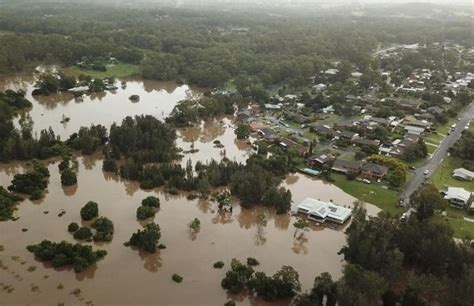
(442, 177)
(431, 148)
(385, 199)
(443, 129)
(118, 71)
(462, 228)
(434, 138)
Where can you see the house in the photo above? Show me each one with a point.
(320, 211)
(367, 142)
(318, 161)
(345, 166)
(348, 135)
(287, 143)
(373, 171)
(463, 174)
(296, 117)
(458, 197)
(244, 115)
(328, 110)
(320, 87)
(268, 134)
(378, 120)
(435, 110)
(255, 126)
(410, 121)
(331, 71)
(323, 130)
(425, 116)
(273, 106)
(414, 130)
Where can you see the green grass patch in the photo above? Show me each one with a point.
(434, 138)
(431, 148)
(462, 229)
(117, 71)
(444, 128)
(310, 136)
(385, 199)
(442, 177)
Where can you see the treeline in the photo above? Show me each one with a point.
(393, 262)
(200, 46)
(254, 183)
(464, 149)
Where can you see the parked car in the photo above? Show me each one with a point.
(412, 167)
(366, 181)
(426, 172)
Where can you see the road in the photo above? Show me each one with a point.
(437, 157)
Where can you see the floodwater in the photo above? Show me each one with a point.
(127, 276)
(157, 98)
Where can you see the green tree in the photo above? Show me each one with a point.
(89, 211)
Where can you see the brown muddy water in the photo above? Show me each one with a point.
(129, 277)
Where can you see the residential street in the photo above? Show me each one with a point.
(437, 156)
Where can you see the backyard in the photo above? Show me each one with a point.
(442, 177)
(384, 198)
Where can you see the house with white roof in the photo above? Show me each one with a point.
(463, 174)
(320, 211)
(458, 197)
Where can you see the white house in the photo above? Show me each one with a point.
(320, 87)
(457, 197)
(463, 174)
(320, 211)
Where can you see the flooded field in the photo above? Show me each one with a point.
(157, 98)
(127, 276)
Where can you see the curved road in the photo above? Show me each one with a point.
(437, 157)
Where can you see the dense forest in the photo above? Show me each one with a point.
(205, 47)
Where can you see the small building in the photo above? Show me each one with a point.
(320, 211)
(345, 166)
(318, 161)
(373, 171)
(458, 197)
(244, 115)
(367, 142)
(287, 143)
(463, 174)
(319, 87)
(425, 116)
(273, 106)
(323, 130)
(348, 135)
(435, 110)
(414, 130)
(268, 134)
(296, 117)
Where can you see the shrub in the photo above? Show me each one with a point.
(147, 238)
(65, 253)
(89, 211)
(83, 233)
(151, 201)
(218, 265)
(145, 212)
(68, 177)
(252, 261)
(177, 278)
(72, 227)
(104, 229)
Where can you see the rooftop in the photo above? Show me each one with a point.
(325, 210)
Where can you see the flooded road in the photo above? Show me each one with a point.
(127, 276)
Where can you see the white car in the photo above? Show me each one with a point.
(426, 172)
(366, 181)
